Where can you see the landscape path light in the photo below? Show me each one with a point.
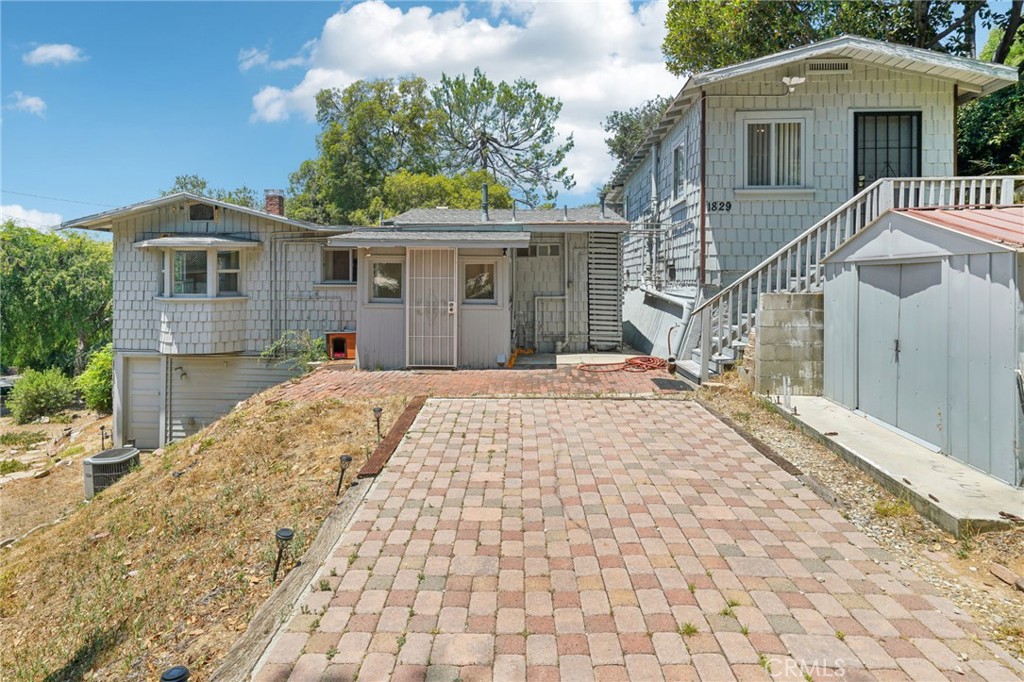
(377, 412)
(283, 537)
(345, 461)
(178, 673)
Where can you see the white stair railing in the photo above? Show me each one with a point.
(729, 315)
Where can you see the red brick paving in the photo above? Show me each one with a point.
(522, 511)
(331, 382)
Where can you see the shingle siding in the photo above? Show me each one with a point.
(755, 227)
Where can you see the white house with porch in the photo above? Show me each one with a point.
(757, 170)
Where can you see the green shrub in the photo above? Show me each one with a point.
(96, 383)
(37, 394)
(9, 466)
(296, 349)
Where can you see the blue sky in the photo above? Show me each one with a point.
(107, 102)
(103, 104)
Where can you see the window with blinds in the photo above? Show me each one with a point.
(774, 154)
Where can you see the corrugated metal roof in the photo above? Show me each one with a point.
(976, 78)
(504, 216)
(102, 221)
(1000, 224)
(380, 237)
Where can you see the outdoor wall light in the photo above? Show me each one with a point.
(283, 537)
(377, 412)
(178, 673)
(345, 461)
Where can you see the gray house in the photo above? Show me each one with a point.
(924, 331)
(202, 287)
(462, 288)
(749, 157)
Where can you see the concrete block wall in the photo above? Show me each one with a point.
(790, 343)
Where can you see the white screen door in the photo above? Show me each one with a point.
(431, 308)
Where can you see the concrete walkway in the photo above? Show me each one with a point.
(954, 496)
(519, 539)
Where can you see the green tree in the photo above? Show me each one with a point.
(404, 190)
(630, 127)
(369, 130)
(507, 130)
(706, 34)
(991, 129)
(195, 184)
(96, 383)
(56, 297)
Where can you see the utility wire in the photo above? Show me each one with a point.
(70, 201)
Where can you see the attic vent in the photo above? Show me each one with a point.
(829, 66)
(104, 469)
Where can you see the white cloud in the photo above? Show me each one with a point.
(54, 54)
(596, 57)
(29, 217)
(30, 103)
(250, 57)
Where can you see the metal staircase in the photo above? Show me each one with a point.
(717, 329)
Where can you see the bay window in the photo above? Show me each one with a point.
(202, 273)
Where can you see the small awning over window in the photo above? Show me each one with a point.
(197, 241)
(438, 239)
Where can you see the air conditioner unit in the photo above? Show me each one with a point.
(106, 468)
(828, 66)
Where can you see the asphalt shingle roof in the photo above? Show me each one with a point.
(499, 216)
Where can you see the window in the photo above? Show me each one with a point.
(189, 273)
(339, 265)
(536, 250)
(679, 170)
(201, 213)
(228, 267)
(478, 283)
(386, 286)
(773, 150)
(202, 272)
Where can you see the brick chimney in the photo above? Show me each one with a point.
(273, 201)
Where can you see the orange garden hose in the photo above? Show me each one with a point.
(642, 363)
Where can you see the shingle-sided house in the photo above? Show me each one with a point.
(463, 288)
(749, 157)
(202, 287)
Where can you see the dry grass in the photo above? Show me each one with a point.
(168, 566)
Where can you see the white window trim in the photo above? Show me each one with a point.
(238, 271)
(375, 260)
(351, 267)
(806, 120)
(498, 291)
(211, 274)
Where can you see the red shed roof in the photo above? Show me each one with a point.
(1000, 224)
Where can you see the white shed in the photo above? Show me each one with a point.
(924, 331)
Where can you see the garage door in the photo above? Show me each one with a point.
(142, 406)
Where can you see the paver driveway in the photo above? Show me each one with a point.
(610, 540)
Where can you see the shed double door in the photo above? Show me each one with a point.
(902, 364)
(431, 308)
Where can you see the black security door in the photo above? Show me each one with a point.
(885, 145)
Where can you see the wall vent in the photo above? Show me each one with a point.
(828, 66)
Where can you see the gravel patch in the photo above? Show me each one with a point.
(959, 570)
